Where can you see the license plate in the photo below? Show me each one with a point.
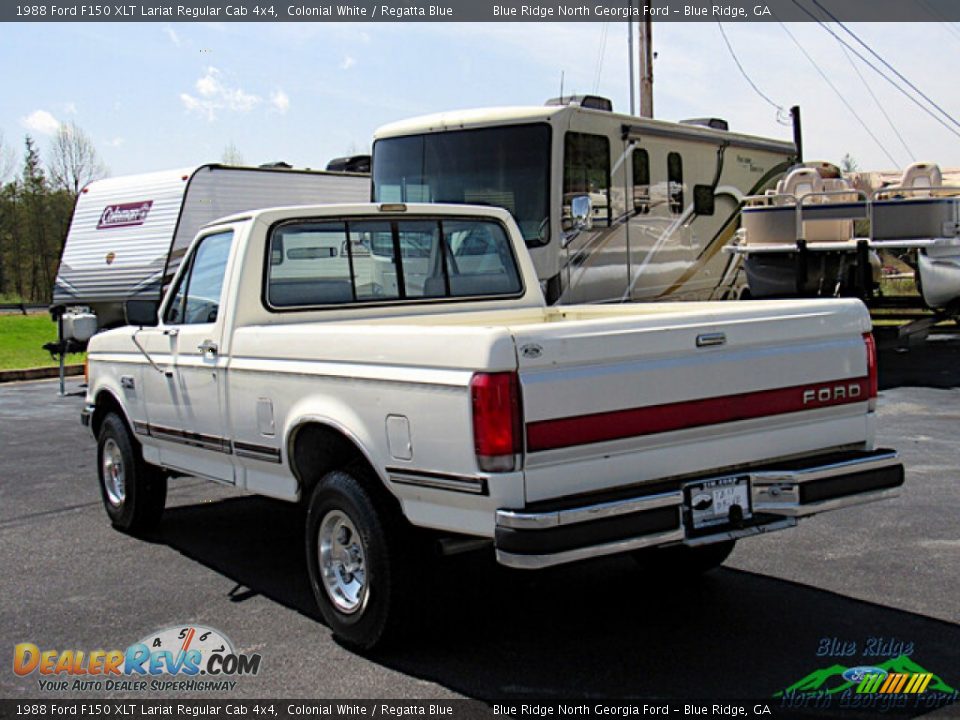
(710, 501)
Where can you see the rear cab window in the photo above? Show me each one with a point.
(323, 263)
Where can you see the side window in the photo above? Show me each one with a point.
(641, 181)
(174, 314)
(197, 298)
(586, 171)
(675, 182)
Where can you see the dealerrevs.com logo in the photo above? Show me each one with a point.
(178, 658)
(124, 214)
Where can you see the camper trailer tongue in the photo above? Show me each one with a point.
(124, 215)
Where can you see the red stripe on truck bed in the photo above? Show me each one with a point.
(653, 419)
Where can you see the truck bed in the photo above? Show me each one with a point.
(612, 395)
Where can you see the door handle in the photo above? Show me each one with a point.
(208, 346)
(172, 332)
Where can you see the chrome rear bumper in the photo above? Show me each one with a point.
(806, 491)
(562, 531)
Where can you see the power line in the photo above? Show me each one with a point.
(877, 70)
(952, 28)
(778, 108)
(839, 95)
(887, 65)
(879, 104)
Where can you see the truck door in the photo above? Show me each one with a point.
(187, 407)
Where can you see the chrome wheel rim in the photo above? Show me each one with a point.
(342, 562)
(114, 477)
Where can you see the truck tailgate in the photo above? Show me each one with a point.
(694, 388)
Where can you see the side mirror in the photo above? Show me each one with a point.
(581, 212)
(141, 312)
(703, 200)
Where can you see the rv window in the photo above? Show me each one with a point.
(703, 199)
(390, 260)
(586, 171)
(506, 166)
(675, 182)
(641, 181)
(197, 297)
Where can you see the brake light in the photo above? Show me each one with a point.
(86, 371)
(872, 383)
(497, 423)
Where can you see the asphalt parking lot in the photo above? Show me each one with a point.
(884, 573)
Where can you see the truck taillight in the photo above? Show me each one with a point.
(497, 423)
(873, 385)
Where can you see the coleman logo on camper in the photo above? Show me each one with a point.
(124, 215)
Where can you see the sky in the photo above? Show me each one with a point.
(154, 96)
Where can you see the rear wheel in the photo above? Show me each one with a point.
(133, 491)
(358, 559)
(684, 561)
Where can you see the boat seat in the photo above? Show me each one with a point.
(831, 230)
(920, 177)
(802, 182)
(826, 170)
(837, 185)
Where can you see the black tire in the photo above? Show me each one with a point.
(136, 508)
(366, 618)
(682, 561)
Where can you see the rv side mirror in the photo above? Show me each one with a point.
(703, 200)
(141, 312)
(581, 212)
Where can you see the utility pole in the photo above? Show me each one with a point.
(633, 103)
(646, 62)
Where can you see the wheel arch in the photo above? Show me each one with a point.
(316, 445)
(105, 402)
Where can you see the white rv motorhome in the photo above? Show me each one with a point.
(612, 207)
(128, 234)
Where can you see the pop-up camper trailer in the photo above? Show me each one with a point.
(129, 234)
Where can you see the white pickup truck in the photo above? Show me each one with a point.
(395, 369)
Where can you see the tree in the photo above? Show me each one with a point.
(849, 164)
(73, 160)
(231, 155)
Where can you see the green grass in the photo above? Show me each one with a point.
(22, 338)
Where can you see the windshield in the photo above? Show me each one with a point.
(508, 167)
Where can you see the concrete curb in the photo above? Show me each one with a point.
(39, 373)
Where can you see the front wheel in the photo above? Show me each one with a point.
(133, 491)
(356, 559)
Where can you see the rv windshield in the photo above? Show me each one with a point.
(508, 167)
